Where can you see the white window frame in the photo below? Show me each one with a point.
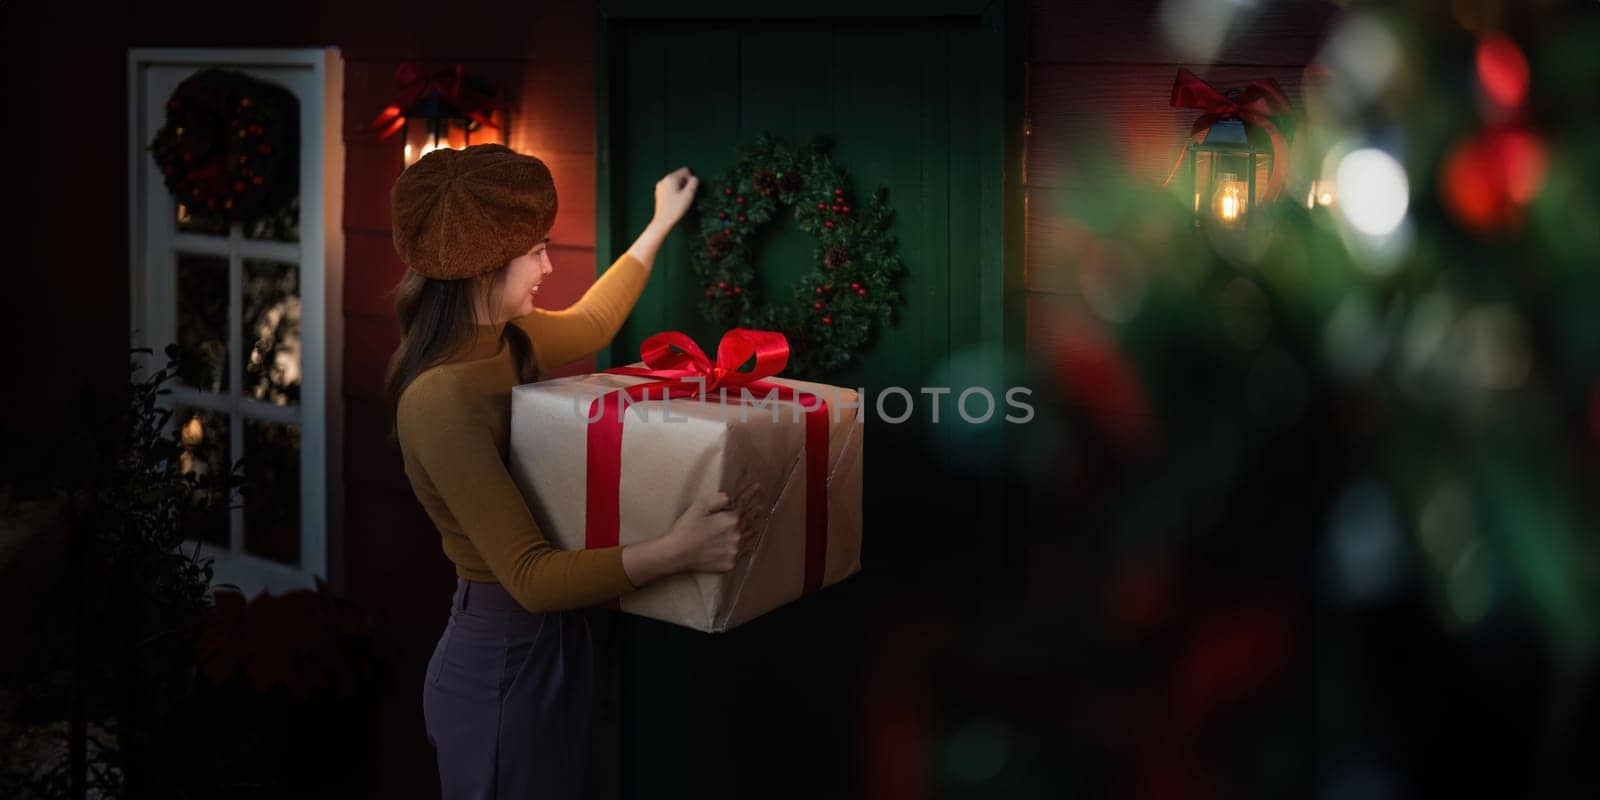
(316, 77)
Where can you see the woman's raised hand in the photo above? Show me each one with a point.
(674, 194)
(717, 530)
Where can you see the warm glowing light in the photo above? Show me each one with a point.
(1373, 191)
(1319, 193)
(193, 433)
(1229, 202)
(1502, 70)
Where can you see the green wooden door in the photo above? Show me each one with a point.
(917, 105)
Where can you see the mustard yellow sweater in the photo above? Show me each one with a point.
(452, 422)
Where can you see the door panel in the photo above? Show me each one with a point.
(903, 101)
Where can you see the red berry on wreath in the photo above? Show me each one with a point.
(862, 292)
(827, 223)
(846, 209)
(819, 290)
(741, 218)
(722, 215)
(722, 284)
(739, 199)
(827, 320)
(817, 306)
(727, 190)
(738, 290)
(837, 190)
(855, 284)
(821, 206)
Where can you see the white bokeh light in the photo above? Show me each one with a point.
(1373, 191)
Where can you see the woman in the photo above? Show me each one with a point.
(520, 697)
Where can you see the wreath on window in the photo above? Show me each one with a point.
(229, 147)
(832, 315)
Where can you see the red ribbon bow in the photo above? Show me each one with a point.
(688, 373)
(451, 86)
(1255, 105)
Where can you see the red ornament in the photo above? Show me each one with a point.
(855, 284)
(817, 305)
(819, 290)
(741, 218)
(846, 209)
(834, 208)
(739, 199)
(837, 191)
(862, 292)
(738, 290)
(827, 320)
(722, 215)
(827, 223)
(722, 284)
(821, 206)
(728, 190)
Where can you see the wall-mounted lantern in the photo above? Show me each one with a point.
(446, 109)
(1231, 171)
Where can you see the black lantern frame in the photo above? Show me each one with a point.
(430, 121)
(1225, 171)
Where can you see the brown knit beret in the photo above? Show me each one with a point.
(460, 213)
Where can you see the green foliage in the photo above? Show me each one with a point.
(832, 314)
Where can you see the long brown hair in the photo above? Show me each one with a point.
(437, 321)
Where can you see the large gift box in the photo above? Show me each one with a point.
(599, 468)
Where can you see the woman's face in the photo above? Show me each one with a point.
(518, 282)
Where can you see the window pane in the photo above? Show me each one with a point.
(272, 332)
(204, 437)
(203, 321)
(282, 225)
(192, 223)
(272, 490)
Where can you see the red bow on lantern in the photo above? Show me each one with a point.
(1254, 105)
(686, 374)
(449, 84)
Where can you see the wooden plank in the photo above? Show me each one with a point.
(1130, 32)
(372, 268)
(555, 105)
(370, 460)
(368, 343)
(636, 99)
(574, 175)
(1106, 119)
(370, 170)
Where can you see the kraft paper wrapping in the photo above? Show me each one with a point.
(668, 463)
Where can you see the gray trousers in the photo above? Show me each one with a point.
(521, 705)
